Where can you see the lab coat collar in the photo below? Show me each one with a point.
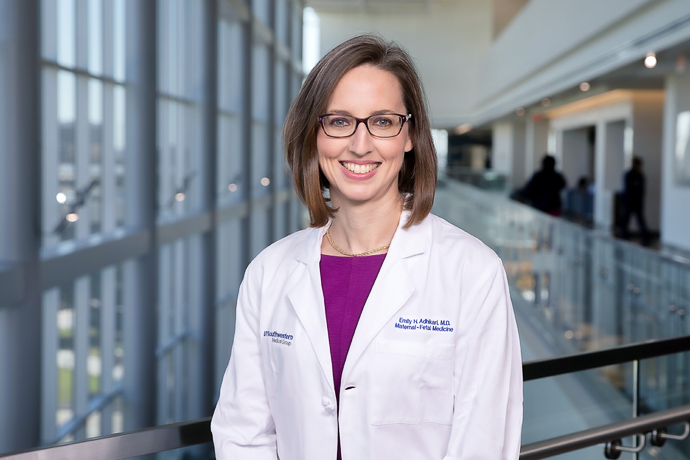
(392, 288)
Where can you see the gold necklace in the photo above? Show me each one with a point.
(349, 254)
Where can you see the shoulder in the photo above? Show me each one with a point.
(451, 242)
(464, 265)
(289, 247)
(282, 255)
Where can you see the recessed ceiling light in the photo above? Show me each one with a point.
(650, 61)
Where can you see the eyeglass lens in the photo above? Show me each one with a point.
(386, 125)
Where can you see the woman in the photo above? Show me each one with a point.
(408, 351)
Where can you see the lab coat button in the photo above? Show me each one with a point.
(327, 404)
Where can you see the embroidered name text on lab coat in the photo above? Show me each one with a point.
(424, 324)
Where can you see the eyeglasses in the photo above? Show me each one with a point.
(381, 126)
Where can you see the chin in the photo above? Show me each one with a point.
(362, 194)
(357, 198)
(361, 197)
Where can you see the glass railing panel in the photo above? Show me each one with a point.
(561, 405)
(591, 291)
(664, 384)
(585, 291)
(575, 401)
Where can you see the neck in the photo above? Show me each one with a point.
(360, 228)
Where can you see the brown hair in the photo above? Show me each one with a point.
(417, 177)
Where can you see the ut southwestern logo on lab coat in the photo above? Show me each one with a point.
(424, 324)
(279, 338)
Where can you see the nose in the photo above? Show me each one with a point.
(360, 141)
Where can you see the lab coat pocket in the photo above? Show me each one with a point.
(412, 383)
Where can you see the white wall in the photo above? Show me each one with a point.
(536, 143)
(502, 148)
(675, 204)
(519, 173)
(447, 41)
(549, 29)
(613, 165)
(508, 152)
(574, 155)
(610, 158)
(552, 46)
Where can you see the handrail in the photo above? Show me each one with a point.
(551, 367)
(593, 436)
(126, 445)
(185, 434)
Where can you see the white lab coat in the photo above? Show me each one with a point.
(434, 370)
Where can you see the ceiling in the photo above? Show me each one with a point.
(634, 76)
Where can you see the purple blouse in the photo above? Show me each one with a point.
(346, 283)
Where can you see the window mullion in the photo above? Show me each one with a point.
(107, 345)
(164, 332)
(49, 369)
(81, 145)
(108, 166)
(82, 34)
(108, 37)
(82, 310)
(51, 215)
(181, 277)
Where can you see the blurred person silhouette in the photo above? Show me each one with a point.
(543, 191)
(633, 200)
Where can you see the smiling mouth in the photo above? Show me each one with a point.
(360, 169)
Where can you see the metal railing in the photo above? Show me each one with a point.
(126, 445)
(610, 435)
(174, 436)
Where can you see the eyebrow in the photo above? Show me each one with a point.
(347, 112)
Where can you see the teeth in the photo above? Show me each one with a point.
(360, 169)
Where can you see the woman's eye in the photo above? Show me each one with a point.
(338, 122)
(382, 122)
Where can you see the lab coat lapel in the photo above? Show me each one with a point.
(391, 290)
(306, 297)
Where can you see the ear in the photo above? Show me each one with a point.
(409, 143)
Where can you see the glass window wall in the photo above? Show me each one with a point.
(83, 94)
(103, 283)
(180, 99)
(231, 180)
(82, 357)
